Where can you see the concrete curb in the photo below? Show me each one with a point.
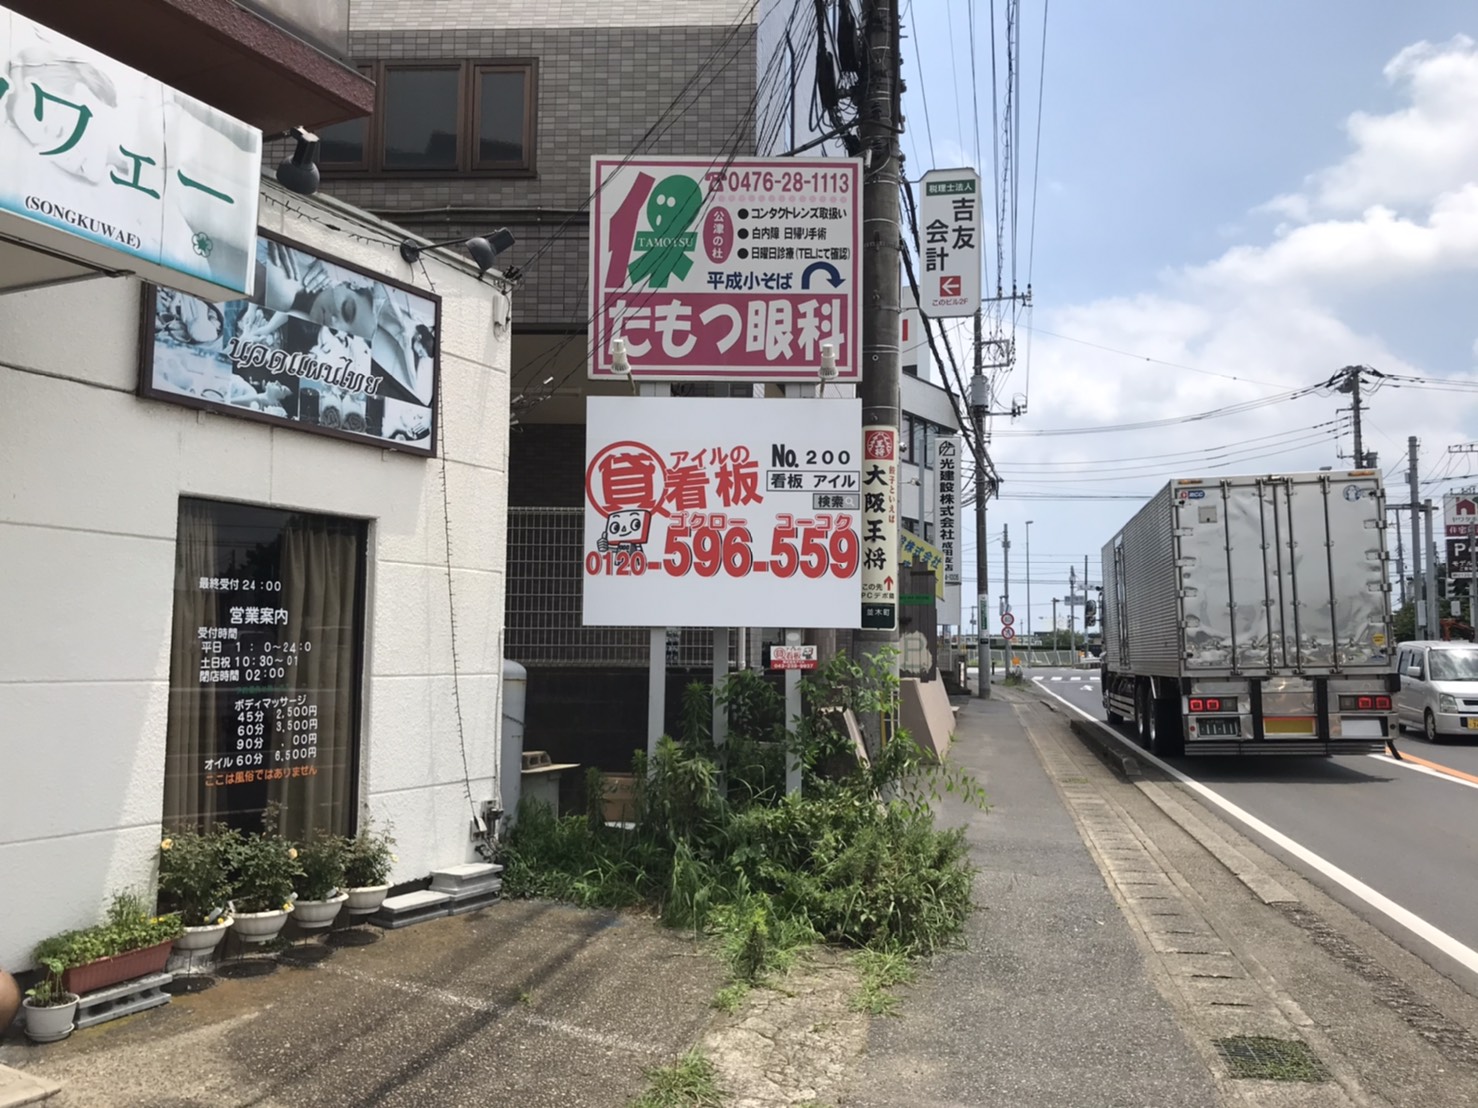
(1109, 745)
(17, 1087)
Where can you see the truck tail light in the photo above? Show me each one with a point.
(1212, 704)
(1366, 703)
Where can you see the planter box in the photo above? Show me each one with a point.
(121, 967)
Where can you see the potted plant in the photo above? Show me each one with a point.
(263, 867)
(367, 864)
(129, 943)
(319, 889)
(50, 1008)
(194, 882)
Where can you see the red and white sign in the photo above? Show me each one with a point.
(1007, 619)
(1008, 632)
(793, 657)
(738, 270)
(705, 512)
(880, 527)
(1460, 514)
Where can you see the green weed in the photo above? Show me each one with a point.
(881, 970)
(687, 1083)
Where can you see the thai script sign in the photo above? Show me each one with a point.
(739, 270)
(321, 346)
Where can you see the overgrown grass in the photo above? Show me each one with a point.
(881, 970)
(717, 847)
(687, 1083)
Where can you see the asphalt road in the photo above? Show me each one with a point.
(1408, 833)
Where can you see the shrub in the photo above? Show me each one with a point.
(857, 860)
(49, 992)
(263, 869)
(322, 859)
(368, 857)
(194, 878)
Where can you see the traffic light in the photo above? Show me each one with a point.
(1090, 613)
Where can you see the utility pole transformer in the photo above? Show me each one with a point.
(881, 178)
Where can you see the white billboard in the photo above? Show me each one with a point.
(721, 269)
(947, 522)
(102, 162)
(707, 512)
(949, 242)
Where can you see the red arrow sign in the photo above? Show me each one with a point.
(887, 584)
(951, 286)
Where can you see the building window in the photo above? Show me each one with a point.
(503, 126)
(434, 119)
(264, 669)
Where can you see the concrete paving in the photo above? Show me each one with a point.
(1122, 931)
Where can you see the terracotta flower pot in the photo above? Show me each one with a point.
(121, 967)
(10, 1000)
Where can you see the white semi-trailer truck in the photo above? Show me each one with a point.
(1252, 615)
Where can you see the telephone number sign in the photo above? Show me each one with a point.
(707, 512)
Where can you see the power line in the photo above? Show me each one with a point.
(1274, 437)
(1170, 421)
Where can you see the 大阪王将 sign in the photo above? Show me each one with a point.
(703, 512)
(109, 167)
(879, 527)
(726, 269)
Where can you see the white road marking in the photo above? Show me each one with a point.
(1453, 948)
(1414, 768)
(1058, 677)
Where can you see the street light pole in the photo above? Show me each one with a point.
(1029, 591)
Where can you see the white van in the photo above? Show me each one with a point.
(1439, 688)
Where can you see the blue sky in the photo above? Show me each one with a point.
(1260, 192)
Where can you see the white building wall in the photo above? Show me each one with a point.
(90, 481)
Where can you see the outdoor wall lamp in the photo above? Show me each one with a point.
(620, 364)
(828, 368)
(299, 173)
(484, 250)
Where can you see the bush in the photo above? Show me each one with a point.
(322, 859)
(722, 849)
(263, 868)
(368, 857)
(194, 877)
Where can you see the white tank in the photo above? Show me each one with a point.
(510, 766)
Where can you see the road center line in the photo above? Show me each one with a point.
(1454, 949)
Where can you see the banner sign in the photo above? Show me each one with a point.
(946, 504)
(911, 548)
(879, 527)
(949, 233)
(793, 657)
(322, 346)
(726, 270)
(705, 512)
(106, 165)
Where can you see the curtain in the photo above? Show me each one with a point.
(193, 705)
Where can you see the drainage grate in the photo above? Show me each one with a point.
(1267, 1059)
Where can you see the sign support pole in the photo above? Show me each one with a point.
(881, 278)
(656, 689)
(792, 720)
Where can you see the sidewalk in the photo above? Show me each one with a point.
(1116, 942)
(1050, 1003)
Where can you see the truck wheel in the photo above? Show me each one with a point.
(1167, 737)
(1143, 713)
(1429, 728)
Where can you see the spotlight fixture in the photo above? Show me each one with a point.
(620, 364)
(484, 250)
(299, 173)
(827, 371)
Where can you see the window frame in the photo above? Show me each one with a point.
(469, 118)
(368, 143)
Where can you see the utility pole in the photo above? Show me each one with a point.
(1422, 607)
(1400, 553)
(1072, 623)
(1054, 623)
(1085, 605)
(1005, 567)
(881, 177)
(979, 403)
(1351, 385)
(1434, 613)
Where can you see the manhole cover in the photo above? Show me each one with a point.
(1264, 1058)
